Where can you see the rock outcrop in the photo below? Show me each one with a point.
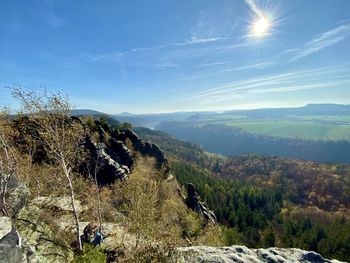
(108, 148)
(108, 162)
(11, 247)
(41, 238)
(193, 202)
(242, 254)
(124, 154)
(145, 148)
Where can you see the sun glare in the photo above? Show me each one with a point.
(261, 26)
(263, 21)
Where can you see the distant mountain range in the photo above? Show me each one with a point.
(308, 110)
(301, 132)
(79, 112)
(152, 120)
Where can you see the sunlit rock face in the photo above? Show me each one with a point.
(145, 148)
(110, 167)
(115, 159)
(109, 150)
(242, 254)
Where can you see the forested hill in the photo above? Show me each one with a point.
(180, 150)
(223, 139)
(264, 201)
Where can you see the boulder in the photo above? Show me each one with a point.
(39, 235)
(11, 248)
(17, 198)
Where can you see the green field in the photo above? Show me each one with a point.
(295, 129)
(314, 127)
(332, 118)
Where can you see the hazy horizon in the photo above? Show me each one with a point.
(161, 57)
(216, 111)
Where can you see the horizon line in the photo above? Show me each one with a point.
(216, 111)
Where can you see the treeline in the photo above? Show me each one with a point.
(234, 141)
(257, 217)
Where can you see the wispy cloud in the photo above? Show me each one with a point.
(223, 71)
(253, 66)
(213, 64)
(291, 50)
(278, 83)
(204, 27)
(166, 65)
(321, 41)
(254, 7)
(116, 56)
(300, 87)
(188, 42)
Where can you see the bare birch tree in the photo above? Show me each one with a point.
(61, 135)
(93, 168)
(8, 162)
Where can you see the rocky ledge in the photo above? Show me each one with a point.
(242, 254)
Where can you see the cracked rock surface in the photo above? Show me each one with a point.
(242, 254)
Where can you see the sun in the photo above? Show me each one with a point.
(264, 21)
(260, 27)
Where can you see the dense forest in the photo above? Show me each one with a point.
(260, 217)
(264, 201)
(234, 141)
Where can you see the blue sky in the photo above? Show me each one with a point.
(177, 55)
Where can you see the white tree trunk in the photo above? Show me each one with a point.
(72, 198)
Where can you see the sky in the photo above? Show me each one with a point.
(177, 55)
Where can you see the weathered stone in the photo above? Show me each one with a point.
(12, 249)
(125, 155)
(145, 148)
(18, 198)
(109, 168)
(57, 203)
(242, 254)
(40, 237)
(193, 202)
(5, 226)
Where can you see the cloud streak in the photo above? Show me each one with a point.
(261, 65)
(254, 7)
(189, 42)
(321, 41)
(279, 83)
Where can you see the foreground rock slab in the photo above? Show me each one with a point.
(242, 254)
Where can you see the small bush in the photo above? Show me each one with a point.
(90, 255)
